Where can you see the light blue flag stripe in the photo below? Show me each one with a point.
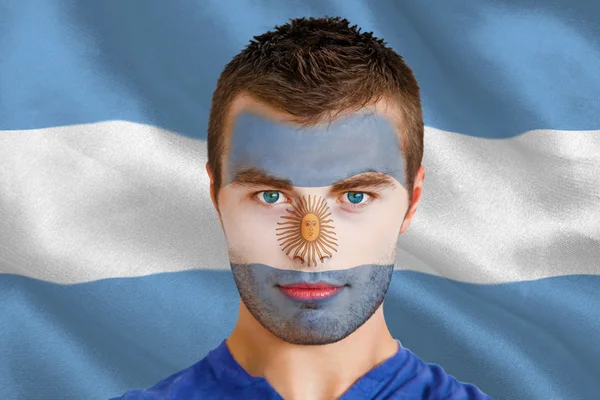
(96, 340)
(487, 68)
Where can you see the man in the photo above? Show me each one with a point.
(315, 142)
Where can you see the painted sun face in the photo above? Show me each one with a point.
(310, 227)
(307, 232)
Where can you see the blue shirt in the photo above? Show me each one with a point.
(218, 377)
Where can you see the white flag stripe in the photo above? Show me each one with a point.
(120, 199)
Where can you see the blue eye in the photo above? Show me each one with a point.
(355, 197)
(271, 196)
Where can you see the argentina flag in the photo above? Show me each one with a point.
(114, 271)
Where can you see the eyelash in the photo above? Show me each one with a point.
(372, 196)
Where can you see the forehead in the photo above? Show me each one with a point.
(314, 156)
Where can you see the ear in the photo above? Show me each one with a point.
(417, 189)
(212, 188)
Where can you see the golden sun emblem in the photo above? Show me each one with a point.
(307, 232)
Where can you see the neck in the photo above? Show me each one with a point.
(310, 372)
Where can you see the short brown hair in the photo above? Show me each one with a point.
(314, 69)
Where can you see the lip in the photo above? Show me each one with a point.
(309, 290)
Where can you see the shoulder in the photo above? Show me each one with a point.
(430, 381)
(194, 382)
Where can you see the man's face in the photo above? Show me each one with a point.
(311, 217)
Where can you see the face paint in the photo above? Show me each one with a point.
(312, 159)
(307, 231)
(315, 156)
(312, 322)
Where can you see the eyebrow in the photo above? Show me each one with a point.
(257, 177)
(367, 180)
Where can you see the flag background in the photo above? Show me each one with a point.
(113, 268)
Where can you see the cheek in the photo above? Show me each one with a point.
(250, 233)
(373, 232)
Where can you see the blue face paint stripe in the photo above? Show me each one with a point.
(315, 156)
(313, 322)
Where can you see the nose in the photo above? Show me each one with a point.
(307, 235)
(307, 261)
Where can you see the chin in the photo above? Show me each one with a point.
(313, 339)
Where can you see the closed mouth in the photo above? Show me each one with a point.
(310, 290)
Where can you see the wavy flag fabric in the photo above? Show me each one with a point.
(113, 267)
